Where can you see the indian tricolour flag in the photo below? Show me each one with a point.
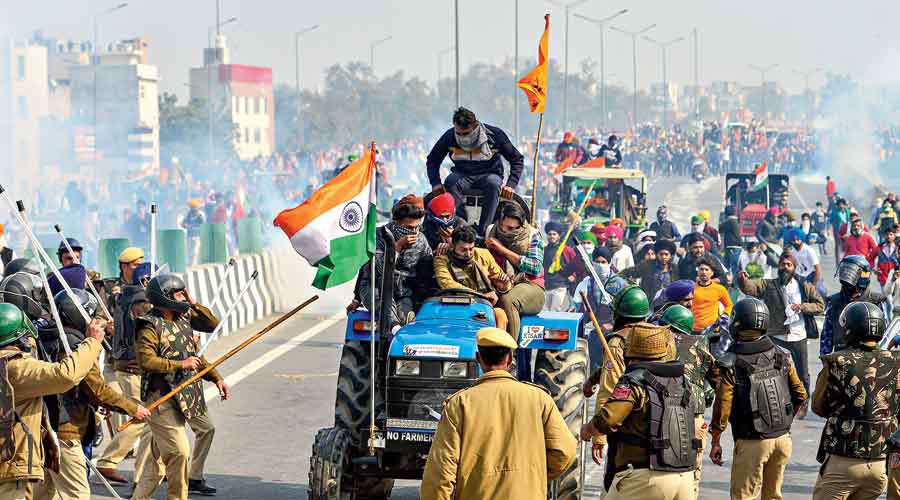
(334, 230)
(761, 179)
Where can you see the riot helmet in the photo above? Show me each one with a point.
(679, 318)
(749, 313)
(632, 303)
(161, 293)
(68, 310)
(14, 324)
(854, 274)
(22, 265)
(26, 292)
(61, 249)
(863, 321)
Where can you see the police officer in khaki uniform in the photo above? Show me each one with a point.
(630, 310)
(477, 454)
(649, 418)
(24, 380)
(856, 393)
(123, 370)
(755, 369)
(72, 413)
(166, 353)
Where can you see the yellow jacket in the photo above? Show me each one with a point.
(483, 259)
(498, 439)
(32, 379)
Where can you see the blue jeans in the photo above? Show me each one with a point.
(488, 184)
(733, 260)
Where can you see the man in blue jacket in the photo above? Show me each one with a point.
(475, 148)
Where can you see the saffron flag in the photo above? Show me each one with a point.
(567, 162)
(334, 230)
(761, 179)
(598, 162)
(534, 84)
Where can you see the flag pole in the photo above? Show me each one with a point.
(537, 152)
(372, 324)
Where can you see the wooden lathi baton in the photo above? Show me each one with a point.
(596, 323)
(222, 359)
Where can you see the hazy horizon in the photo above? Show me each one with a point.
(796, 35)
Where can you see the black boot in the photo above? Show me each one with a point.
(200, 487)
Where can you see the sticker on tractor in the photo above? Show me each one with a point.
(530, 333)
(431, 350)
(413, 437)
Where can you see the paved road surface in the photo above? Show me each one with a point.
(284, 391)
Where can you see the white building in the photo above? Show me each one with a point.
(119, 99)
(23, 103)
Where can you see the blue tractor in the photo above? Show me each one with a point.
(403, 379)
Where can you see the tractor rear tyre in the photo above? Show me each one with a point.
(563, 373)
(351, 405)
(330, 472)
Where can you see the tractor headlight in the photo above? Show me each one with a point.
(407, 367)
(455, 369)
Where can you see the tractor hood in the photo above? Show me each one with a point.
(436, 339)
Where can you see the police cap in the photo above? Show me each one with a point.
(495, 337)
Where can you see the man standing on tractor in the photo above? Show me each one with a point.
(610, 152)
(665, 229)
(476, 453)
(476, 149)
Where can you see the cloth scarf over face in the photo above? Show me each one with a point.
(459, 265)
(475, 143)
(516, 241)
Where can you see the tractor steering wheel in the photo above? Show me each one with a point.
(462, 291)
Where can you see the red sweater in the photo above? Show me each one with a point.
(863, 245)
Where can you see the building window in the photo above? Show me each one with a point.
(234, 104)
(247, 135)
(257, 136)
(22, 106)
(255, 105)
(20, 67)
(265, 104)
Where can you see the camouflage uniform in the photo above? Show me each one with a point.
(857, 393)
(699, 367)
(162, 345)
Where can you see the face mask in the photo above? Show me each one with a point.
(459, 261)
(855, 232)
(588, 247)
(602, 270)
(440, 222)
(471, 139)
(695, 229)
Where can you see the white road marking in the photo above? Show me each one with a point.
(252, 367)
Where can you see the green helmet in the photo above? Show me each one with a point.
(14, 324)
(631, 302)
(679, 318)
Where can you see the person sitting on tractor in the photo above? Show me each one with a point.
(519, 250)
(469, 268)
(440, 222)
(610, 152)
(413, 263)
(475, 148)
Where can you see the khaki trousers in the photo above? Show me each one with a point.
(15, 490)
(123, 442)
(893, 471)
(170, 446)
(71, 481)
(700, 429)
(844, 478)
(638, 484)
(758, 464)
(524, 298)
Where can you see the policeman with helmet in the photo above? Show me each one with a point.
(24, 380)
(167, 355)
(755, 371)
(854, 275)
(71, 414)
(856, 393)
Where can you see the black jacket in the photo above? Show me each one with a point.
(647, 272)
(500, 145)
(730, 232)
(687, 268)
(613, 155)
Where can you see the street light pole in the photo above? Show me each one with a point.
(664, 46)
(297, 36)
(516, 79)
(634, 95)
(763, 90)
(569, 6)
(809, 98)
(372, 51)
(456, 44)
(601, 23)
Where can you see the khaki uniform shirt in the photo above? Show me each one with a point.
(99, 394)
(32, 379)
(498, 439)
